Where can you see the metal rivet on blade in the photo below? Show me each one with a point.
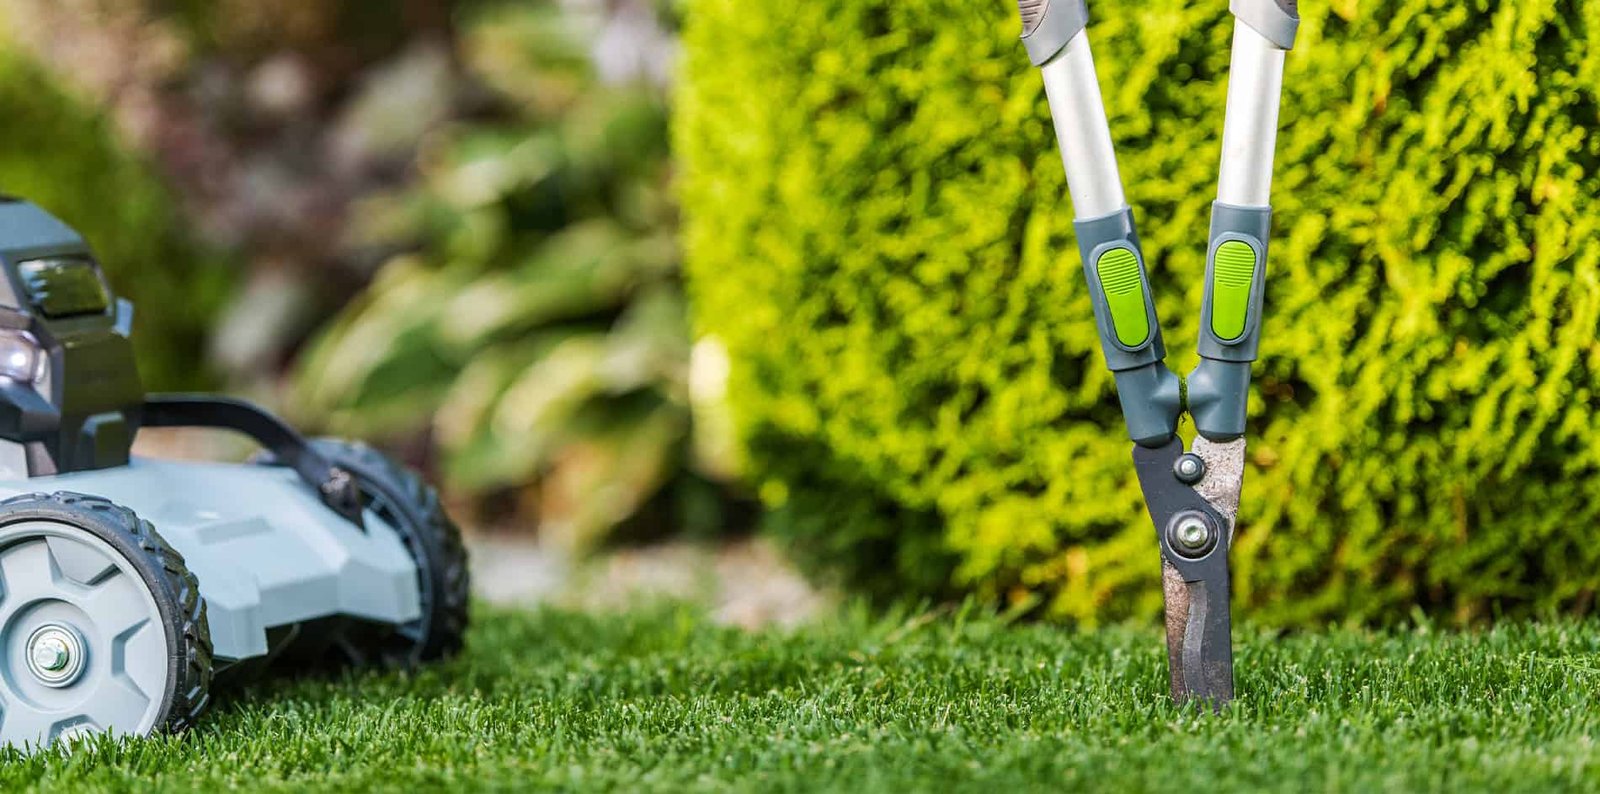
(1189, 468)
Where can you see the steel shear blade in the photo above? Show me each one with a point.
(1194, 528)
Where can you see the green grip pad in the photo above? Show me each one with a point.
(1233, 273)
(1124, 291)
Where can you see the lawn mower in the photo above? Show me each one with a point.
(128, 584)
(1193, 496)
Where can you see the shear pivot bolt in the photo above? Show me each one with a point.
(1191, 535)
(1189, 468)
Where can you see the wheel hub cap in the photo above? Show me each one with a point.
(55, 654)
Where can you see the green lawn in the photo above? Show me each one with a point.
(663, 701)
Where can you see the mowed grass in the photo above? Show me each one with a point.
(663, 700)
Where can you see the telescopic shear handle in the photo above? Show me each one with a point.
(1241, 218)
(1113, 262)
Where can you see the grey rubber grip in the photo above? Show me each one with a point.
(1150, 394)
(1032, 14)
(1152, 398)
(1248, 226)
(1047, 26)
(1097, 236)
(1219, 387)
(1218, 398)
(1276, 20)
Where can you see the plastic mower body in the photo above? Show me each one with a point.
(128, 584)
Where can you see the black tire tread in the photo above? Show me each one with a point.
(435, 543)
(191, 692)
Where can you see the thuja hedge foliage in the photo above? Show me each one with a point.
(879, 233)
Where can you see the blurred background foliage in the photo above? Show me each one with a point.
(536, 318)
(446, 225)
(267, 121)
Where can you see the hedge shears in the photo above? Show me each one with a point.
(1192, 496)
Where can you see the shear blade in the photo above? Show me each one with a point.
(1199, 641)
(1224, 477)
(1196, 590)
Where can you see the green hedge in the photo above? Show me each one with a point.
(63, 154)
(878, 232)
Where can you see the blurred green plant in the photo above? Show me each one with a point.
(266, 120)
(536, 320)
(61, 153)
(879, 234)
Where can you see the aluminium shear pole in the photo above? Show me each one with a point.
(1192, 497)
